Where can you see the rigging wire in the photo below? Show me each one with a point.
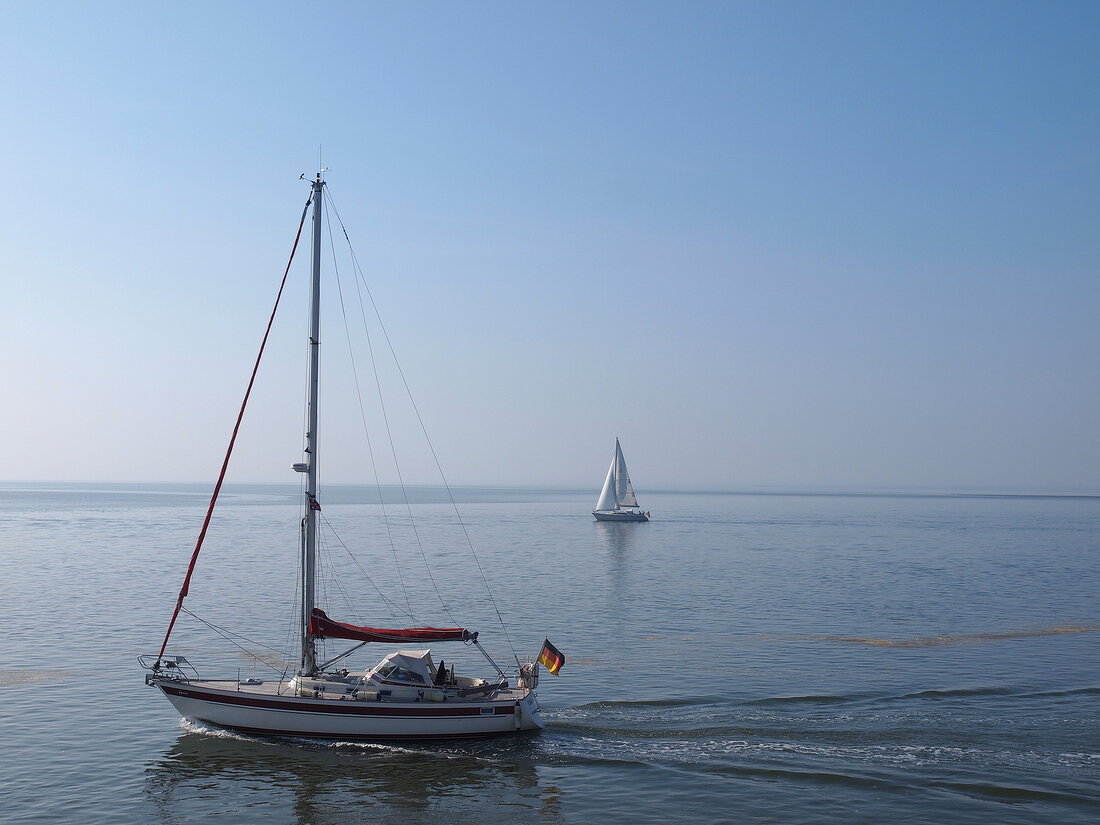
(233, 438)
(389, 432)
(363, 416)
(227, 634)
(325, 553)
(322, 580)
(294, 626)
(393, 608)
(299, 621)
(335, 582)
(423, 428)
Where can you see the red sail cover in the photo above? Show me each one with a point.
(322, 626)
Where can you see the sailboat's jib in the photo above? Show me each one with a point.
(606, 500)
(321, 626)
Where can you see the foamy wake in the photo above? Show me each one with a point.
(191, 726)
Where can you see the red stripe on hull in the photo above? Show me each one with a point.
(344, 708)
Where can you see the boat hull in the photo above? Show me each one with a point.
(619, 515)
(274, 715)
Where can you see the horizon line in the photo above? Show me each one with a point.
(743, 490)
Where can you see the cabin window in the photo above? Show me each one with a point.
(403, 674)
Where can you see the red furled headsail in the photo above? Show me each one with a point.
(551, 657)
(232, 440)
(321, 626)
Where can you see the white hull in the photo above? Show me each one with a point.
(619, 515)
(266, 713)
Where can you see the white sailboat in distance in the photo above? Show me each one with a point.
(617, 501)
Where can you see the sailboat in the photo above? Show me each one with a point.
(617, 501)
(406, 695)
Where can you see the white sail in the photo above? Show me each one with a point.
(617, 491)
(607, 500)
(624, 490)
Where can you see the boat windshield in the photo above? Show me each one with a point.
(396, 673)
(400, 667)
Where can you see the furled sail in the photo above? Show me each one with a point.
(321, 626)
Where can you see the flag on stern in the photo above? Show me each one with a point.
(551, 657)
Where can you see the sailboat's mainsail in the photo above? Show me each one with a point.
(321, 626)
(617, 490)
(624, 490)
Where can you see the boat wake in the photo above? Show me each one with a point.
(801, 700)
(477, 749)
(198, 728)
(954, 638)
(892, 743)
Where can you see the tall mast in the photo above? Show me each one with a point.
(618, 462)
(309, 652)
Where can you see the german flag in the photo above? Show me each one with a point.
(551, 657)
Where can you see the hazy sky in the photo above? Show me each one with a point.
(803, 245)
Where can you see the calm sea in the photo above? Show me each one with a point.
(741, 658)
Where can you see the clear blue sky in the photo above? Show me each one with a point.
(803, 245)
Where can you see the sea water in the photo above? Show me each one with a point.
(740, 658)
